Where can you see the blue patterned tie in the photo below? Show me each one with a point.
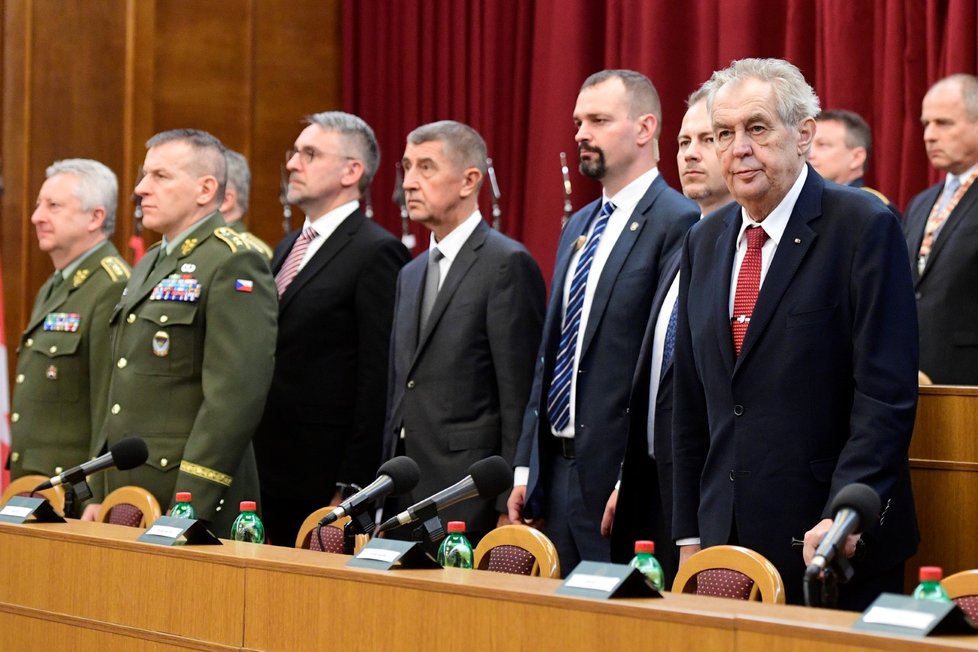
(558, 400)
(669, 341)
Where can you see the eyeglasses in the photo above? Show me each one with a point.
(307, 155)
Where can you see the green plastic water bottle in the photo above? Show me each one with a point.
(455, 551)
(645, 561)
(183, 508)
(248, 527)
(930, 585)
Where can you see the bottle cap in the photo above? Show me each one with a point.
(644, 546)
(931, 573)
(248, 505)
(184, 497)
(456, 526)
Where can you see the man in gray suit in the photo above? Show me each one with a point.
(467, 324)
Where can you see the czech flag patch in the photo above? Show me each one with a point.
(244, 285)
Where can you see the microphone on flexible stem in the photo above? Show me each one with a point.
(487, 479)
(396, 476)
(125, 454)
(855, 506)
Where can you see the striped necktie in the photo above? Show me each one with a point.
(291, 266)
(558, 399)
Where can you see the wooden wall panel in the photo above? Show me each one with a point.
(96, 79)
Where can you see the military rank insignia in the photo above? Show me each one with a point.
(161, 344)
(62, 322)
(176, 287)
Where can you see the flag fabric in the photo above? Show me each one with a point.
(4, 397)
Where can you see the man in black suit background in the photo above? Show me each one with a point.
(942, 235)
(642, 507)
(796, 349)
(322, 429)
(609, 261)
(467, 324)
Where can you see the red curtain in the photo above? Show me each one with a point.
(512, 69)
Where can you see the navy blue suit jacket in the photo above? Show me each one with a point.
(611, 343)
(823, 393)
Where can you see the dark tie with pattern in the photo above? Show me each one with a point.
(431, 281)
(748, 285)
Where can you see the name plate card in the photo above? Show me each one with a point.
(602, 581)
(21, 509)
(384, 554)
(892, 613)
(170, 531)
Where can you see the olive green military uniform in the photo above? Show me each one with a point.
(63, 367)
(251, 238)
(193, 341)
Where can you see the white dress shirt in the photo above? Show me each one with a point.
(325, 225)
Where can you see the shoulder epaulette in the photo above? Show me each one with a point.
(115, 268)
(231, 238)
(256, 243)
(874, 191)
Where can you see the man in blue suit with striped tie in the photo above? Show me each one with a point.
(609, 259)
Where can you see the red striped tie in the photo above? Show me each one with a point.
(291, 266)
(748, 286)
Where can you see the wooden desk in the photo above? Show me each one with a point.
(91, 586)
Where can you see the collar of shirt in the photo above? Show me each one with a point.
(452, 243)
(961, 177)
(776, 222)
(327, 223)
(73, 265)
(628, 197)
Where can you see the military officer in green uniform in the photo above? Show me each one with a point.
(63, 358)
(193, 338)
(236, 195)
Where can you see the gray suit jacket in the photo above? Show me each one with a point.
(459, 388)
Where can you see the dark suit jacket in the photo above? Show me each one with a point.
(823, 393)
(946, 305)
(459, 388)
(644, 508)
(323, 420)
(610, 347)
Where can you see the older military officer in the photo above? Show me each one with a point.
(192, 338)
(63, 359)
(236, 195)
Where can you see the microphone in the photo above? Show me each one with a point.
(855, 506)
(487, 479)
(397, 475)
(125, 454)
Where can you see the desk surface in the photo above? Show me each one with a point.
(93, 585)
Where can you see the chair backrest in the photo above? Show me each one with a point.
(328, 538)
(132, 506)
(22, 487)
(963, 589)
(730, 572)
(518, 550)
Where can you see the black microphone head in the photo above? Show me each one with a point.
(129, 453)
(861, 499)
(403, 472)
(492, 476)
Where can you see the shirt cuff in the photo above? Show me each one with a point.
(521, 476)
(691, 541)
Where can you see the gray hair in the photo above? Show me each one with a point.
(969, 91)
(700, 94)
(462, 144)
(642, 96)
(357, 134)
(239, 177)
(209, 150)
(796, 99)
(97, 186)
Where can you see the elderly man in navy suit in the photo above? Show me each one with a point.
(796, 349)
(609, 260)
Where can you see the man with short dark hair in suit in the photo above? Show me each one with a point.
(796, 349)
(642, 507)
(609, 261)
(942, 235)
(320, 437)
(467, 324)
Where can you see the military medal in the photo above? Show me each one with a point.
(161, 344)
(51, 373)
(176, 287)
(62, 322)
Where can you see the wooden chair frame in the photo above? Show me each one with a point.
(139, 498)
(302, 539)
(768, 586)
(961, 584)
(25, 483)
(534, 541)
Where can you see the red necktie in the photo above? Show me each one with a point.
(748, 285)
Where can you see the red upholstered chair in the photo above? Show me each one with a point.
(963, 589)
(132, 506)
(518, 550)
(22, 487)
(730, 572)
(331, 535)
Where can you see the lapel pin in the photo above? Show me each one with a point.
(581, 239)
(797, 240)
(633, 227)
